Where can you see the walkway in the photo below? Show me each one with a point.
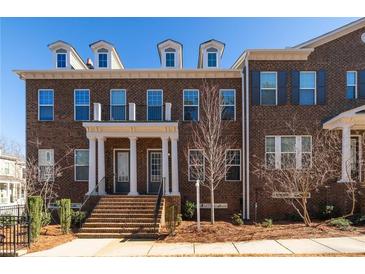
(117, 247)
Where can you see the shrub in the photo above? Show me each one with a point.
(237, 219)
(65, 215)
(189, 209)
(77, 217)
(46, 218)
(267, 223)
(341, 223)
(35, 205)
(357, 219)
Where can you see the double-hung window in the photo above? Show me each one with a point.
(228, 104)
(61, 60)
(233, 165)
(351, 84)
(45, 104)
(170, 59)
(270, 152)
(81, 164)
(268, 88)
(46, 164)
(288, 152)
(117, 104)
(191, 105)
(154, 105)
(103, 58)
(82, 104)
(212, 58)
(196, 169)
(307, 88)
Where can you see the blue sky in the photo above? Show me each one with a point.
(23, 45)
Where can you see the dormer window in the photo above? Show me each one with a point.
(170, 57)
(170, 53)
(210, 54)
(103, 58)
(212, 58)
(61, 58)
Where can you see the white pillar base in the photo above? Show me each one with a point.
(133, 194)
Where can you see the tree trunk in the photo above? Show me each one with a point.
(212, 217)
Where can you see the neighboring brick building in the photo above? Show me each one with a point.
(129, 126)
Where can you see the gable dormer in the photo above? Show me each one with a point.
(65, 56)
(170, 53)
(210, 54)
(105, 56)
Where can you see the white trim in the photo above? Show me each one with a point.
(230, 165)
(81, 89)
(276, 87)
(195, 149)
(114, 167)
(355, 85)
(39, 105)
(162, 104)
(191, 105)
(359, 139)
(315, 86)
(111, 103)
(148, 163)
(76, 165)
(235, 105)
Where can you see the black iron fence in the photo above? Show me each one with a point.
(14, 229)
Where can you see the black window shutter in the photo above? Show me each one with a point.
(295, 87)
(321, 87)
(361, 85)
(282, 83)
(255, 84)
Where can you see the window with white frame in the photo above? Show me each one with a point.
(233, 165)
(351, 84)
(46, 164)
(82, 105)
(307, 88)
(154, 105)
(228, 104)
(103, 58)
(196, 169)
(212, 58)
(268, 88)
(118, 104)
(191, 105)
(285, 152)
(61, 60)
(81, 164)
(45, 105)
(170, 54)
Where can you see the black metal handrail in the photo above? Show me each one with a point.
(158, 201)
(87, 197)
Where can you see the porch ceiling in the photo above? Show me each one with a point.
(355, 118)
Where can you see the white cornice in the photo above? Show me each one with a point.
(128, 74)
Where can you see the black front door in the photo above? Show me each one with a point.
(154, 170)
(121, 171)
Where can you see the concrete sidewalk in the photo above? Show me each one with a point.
(118, 247)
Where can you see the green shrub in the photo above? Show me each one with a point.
(237, 219)
(77, 217)
(46, 218)
(35, 205)
(267, 223)
(65, 215)
(178, 219)
(189, 210)
(357, 219)
(341, 223)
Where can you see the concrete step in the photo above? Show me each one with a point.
(126, 203)
(117, 229)
(122, 215)
(118, 225)
(125, 210)
(139, 207)
(121, 220)
(118, 235)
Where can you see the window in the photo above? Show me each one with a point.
(103, 60)
(170, 59)
(196, 165)
(268, 88)
(228, 104)
(82, 105)
(6, 168)
(61, 60)
(212, 59)
(191, 105)
(307, 89)
(45, 105)
(46, 164)
(81, 164)
(117, 104)
(154, 105)
(284, 152)
(233, 165)
(351, 84)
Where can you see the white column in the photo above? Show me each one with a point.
(92, 164)
(101, 165)
(8, 192)
(346, 153)
(97, 112)
(165, 163)
(132, 111)
(133, 166)
(168, 111)
(174, 167)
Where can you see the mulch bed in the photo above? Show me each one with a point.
(225, 232)
(51, 236)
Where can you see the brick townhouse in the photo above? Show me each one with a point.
(128, 129)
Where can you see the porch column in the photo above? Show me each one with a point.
(174, 167)
(165, 163)
(92, 164)
(8, 192)
(133, 166)
(101, 165)
(346, 153)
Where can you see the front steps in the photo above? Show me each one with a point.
(123, 217)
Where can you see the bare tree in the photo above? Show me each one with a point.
(210, 141)
(11, 147)
(295, 181)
